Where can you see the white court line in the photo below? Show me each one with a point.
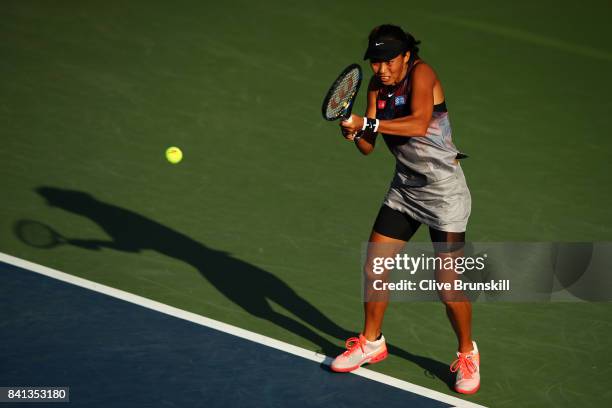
(236, 331)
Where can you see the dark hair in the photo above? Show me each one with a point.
(393, 32)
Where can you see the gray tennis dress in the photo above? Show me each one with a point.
(429, 184)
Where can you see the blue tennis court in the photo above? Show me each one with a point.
(112, 352)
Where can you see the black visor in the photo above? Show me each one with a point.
(384, 50)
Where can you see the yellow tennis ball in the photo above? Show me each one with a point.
(174, 154)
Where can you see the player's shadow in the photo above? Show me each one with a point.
(249, 286)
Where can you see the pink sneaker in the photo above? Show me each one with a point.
(467, 366)
(358, 352)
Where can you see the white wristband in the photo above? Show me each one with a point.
(376, 125)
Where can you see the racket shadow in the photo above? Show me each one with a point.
(247, 285)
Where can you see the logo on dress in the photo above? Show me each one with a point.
(400, 100)
(381, 104)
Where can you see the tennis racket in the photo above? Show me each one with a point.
(38, 235)
(338, 102)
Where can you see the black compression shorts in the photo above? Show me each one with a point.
(395, 224)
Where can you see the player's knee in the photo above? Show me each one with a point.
(455, 302)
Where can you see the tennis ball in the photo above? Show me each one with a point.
(174, 154)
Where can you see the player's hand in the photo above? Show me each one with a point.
(352, 124)
(348, 135)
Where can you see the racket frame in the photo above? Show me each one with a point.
(346, 113)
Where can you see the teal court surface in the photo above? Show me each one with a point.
(116, 349)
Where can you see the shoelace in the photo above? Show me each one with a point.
(465, 364)
(351, 344)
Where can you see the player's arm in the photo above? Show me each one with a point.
(415, 124)
(368, 140)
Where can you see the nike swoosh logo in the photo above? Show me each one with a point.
(373, 353)
(377, 44)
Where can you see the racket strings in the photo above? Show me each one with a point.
(343, 93)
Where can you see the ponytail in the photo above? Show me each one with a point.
(411, 43)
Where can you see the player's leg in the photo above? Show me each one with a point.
(391, 231)
(375, 304)
(459, 312)
(458, 308)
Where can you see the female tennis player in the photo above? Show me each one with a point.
(406, 104)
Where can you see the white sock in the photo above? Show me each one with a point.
(375, 343)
